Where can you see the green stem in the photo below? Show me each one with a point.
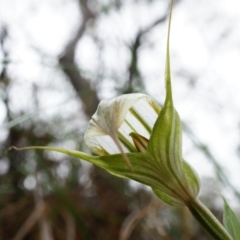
(208, 220)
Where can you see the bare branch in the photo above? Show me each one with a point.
(133, 67)
(81, 85)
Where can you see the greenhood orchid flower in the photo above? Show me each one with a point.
(134, 128)
(134, 138)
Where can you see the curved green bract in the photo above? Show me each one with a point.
(168, 199)
(191, 178)
(193, 181)
(165, 143)
(144, 171)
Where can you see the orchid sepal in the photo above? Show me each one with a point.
(144, 171)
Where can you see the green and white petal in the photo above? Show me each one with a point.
(165, 147)
(116, 118)
(192, 178)
(165, 144)
(171, 199)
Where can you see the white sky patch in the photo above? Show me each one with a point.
(107, 89)
(87, 54)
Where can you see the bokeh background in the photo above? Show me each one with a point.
(59, 58)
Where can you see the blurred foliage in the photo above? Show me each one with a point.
(54, 197)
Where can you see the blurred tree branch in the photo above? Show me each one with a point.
(134, 72)
(81, 85)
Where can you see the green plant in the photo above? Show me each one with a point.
(135, 138)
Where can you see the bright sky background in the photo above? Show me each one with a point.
(205, 55)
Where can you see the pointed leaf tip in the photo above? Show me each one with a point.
(168, 67)
(231, 221)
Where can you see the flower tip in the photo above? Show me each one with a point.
(10, 149)
(15, 148)
(139, 141)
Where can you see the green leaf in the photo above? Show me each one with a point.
(231, 221)
(144, 169)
